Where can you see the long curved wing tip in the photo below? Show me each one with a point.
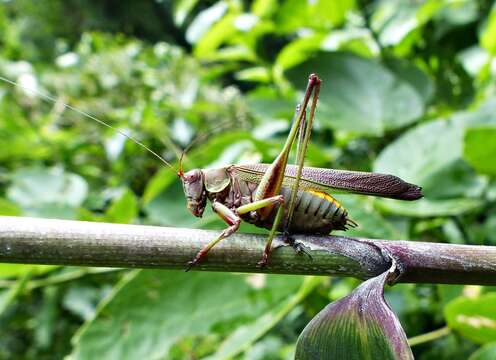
(413, 192)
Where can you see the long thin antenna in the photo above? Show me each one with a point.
(196, 140)
(83, 113)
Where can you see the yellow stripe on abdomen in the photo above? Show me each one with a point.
(325, 196)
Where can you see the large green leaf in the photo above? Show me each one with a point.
(395, 22)
(430, 155)
(320, 15)
(360, 95)
(244, 336)
(297, 51)
(474, 318)
(488, 35)
(222, 31)
(169, 209)
(429, 148)
(8, 208)
(356, 40)
(123, 209)
(426, 207)
(371, 223)
(417, 78)
(47, 192)
(486, 352)
(359, 326)
(159, 181)
(204, 20)
(18, 270)
(480, 148)
(149, 311)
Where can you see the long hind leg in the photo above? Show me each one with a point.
(303, 139)
(273, 178)
(304, 133)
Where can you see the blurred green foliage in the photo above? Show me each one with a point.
(409, 89)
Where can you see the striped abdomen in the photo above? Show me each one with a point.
(315, 212)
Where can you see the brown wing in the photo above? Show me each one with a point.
(356, 182)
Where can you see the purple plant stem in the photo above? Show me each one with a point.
(45, 241)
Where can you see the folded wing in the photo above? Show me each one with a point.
(357, 182)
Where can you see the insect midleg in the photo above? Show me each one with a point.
(273, 200)
(272, 233)
(277, 220)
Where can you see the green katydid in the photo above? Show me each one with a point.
(280, 197)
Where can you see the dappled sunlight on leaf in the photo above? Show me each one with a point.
(359, 95)
(173, 305)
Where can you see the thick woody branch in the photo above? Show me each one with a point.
(42, 241)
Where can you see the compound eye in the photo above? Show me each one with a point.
(190, 177)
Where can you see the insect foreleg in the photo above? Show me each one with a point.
(231, 217)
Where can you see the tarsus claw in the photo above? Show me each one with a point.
(300, 248)
(263, 263)
(190, 265)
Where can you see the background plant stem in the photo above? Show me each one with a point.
(430, 336)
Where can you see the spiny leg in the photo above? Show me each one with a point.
(272, 180)
(303, 139)
(299, 166)
(287, 238)
(233, 220)
(277, 200)
(268, 245)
